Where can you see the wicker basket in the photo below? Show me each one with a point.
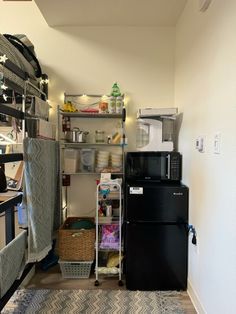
(76, 244)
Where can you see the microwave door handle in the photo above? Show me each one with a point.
(168, 166)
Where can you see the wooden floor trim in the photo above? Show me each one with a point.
(195, 299)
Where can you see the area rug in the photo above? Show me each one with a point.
(29, 301)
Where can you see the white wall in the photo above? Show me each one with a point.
(90, 59)
(205, 91)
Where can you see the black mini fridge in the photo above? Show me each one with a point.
(156, 236)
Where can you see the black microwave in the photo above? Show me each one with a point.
(153, 166)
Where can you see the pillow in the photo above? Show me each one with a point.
(113, 259)
(25, 40)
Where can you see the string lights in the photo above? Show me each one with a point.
(3, 59)
(3, 86)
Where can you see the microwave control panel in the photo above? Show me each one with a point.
(175, 168)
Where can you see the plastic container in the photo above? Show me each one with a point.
(71, 160)
(75, 269)
(108, 211)
(87, 159)
(102, 159)
(116, 160)
(99, 136)
(22, 215)
(142, 134)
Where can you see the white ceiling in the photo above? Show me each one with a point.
(111, 12)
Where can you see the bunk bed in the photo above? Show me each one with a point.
(20, 82)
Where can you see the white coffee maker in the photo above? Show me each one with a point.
(155, 129)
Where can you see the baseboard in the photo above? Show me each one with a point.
(27, 279)
(195, 299)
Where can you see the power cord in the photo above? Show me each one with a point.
(194, 234)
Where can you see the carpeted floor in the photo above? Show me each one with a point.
(32, 301)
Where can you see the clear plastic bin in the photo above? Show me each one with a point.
(87, 159)
(71, 161)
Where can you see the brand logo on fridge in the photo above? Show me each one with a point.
(178, 193)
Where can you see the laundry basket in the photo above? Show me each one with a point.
(71, 269)
(76, 244)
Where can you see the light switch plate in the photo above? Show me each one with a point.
(200, 144)
(217, 143)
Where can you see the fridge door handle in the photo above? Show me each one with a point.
(168, 166)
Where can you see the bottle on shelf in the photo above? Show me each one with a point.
(119, 104)
(115, 91)
(66, 124)
(112, 104)
(99, 136)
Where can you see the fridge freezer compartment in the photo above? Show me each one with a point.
(156, 203)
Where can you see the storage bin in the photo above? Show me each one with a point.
(76, 244)
(70, 269)
(71, 160)
(87, 159)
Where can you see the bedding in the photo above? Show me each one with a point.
(16, 57)
(42, 220)
(28, 53)
(12, 261)
(19, 81)
(13, 54)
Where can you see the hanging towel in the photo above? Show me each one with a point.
(40, 194)
(12, 261)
